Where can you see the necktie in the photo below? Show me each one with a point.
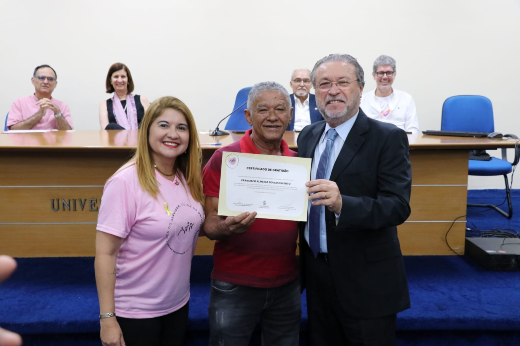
(314, 215)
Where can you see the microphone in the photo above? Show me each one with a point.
(217, 131)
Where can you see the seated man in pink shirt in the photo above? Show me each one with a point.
(40, 111)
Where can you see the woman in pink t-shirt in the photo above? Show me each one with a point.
(149, 221)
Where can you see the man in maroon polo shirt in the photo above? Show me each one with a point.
(255, 272)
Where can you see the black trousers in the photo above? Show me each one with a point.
(167, 330)
(329, 324)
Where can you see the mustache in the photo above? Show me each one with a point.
(335, 98)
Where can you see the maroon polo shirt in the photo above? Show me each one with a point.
(264, 256)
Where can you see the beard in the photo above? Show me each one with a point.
(301, 92)
(385, 88)
(347, 112)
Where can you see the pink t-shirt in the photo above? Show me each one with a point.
(154, 262)
(25, 107)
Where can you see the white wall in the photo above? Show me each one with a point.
(204, 51)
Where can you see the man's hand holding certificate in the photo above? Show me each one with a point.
(273, 186)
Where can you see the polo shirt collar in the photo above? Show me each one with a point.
(247, 145)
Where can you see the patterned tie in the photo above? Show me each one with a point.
(314, 215)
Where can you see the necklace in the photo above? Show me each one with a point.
(166, 175)
(176, 182)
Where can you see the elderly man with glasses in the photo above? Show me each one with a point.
(303, 102)
(351, 261)
(387, 104)
(40, 111)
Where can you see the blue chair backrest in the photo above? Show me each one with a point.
(470, 113)
(5, 127)
(237, 120)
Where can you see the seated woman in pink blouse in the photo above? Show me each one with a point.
(124, 110)
(149, 221)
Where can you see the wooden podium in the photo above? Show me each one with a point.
(51, 185)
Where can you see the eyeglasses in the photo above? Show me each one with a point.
(49, 79)
(342, 84)
(299, 80)
(382, 73)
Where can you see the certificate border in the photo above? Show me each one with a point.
(223, 210)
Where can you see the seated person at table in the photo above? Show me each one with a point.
(387, 104)
(123, 111)
(40, 111)
(255, 273)
(303, 102)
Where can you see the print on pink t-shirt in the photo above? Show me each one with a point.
(154, 262)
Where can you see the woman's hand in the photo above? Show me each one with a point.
(111, 334)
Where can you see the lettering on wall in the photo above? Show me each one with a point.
(75, 204)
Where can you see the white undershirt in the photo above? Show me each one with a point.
(302, 115)
(384, 104)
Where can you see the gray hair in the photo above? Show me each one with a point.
(349, 59)
(298, 69)
(384, 60)
(266, 86)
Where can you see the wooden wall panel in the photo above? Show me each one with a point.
(439, 167)
(439, 193)
(59, 167)
(47, 240)
(438, 203)
(79, 240)
(423, 238)
(61, 241)
(204, 246)
(35, 205)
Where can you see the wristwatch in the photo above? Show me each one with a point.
(110, 314)
(58, 115)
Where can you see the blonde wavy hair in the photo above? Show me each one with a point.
(188, 164)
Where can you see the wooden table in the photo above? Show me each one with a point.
(51, 185)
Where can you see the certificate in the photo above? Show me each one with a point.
(273, 186)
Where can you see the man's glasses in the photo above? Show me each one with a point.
(43, 78)
(299, 80)
(342, 84)
(382, 73)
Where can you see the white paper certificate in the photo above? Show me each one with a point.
(273, 186)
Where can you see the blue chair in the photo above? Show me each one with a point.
(237, 120)
(474, 113)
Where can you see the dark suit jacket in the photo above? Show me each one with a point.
(374, 177)
(313, 110)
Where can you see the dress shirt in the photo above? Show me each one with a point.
(25, 107)
(343, 130)
(302, 115)
(403, 113)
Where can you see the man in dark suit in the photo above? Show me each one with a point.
(360, 186)
(303, 102)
